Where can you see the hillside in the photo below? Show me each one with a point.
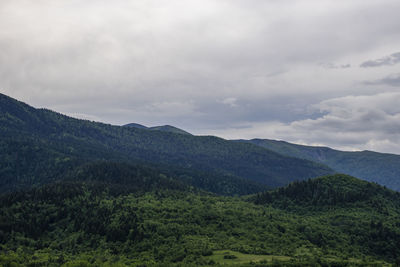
(84, 223)
(38, 145)
(338, 190)
(141, 177)
(382, 168)
(363, 213)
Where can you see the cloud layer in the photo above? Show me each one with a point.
(350, 123)
(206, 66)
(392, 80)
(385, 61)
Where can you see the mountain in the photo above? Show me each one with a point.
(135, 125)
(39, 146)
(97, 222)
(169, 128)
(382, 168)
(164, 128)
(81, 193)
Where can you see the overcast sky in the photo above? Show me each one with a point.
(311, 72)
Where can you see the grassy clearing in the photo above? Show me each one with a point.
(229, 257)
(233, 258)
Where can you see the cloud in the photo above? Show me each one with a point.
(385, 61)
(369, 122)
(230, 101)
(392, 80)
(200, 65)
(335, 66)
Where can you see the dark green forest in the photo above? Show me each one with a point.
(81, 193)
(382, 168)
(35, 138)
(94, 223)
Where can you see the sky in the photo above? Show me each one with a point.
(314, 72)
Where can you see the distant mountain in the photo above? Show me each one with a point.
(169, 128)
(164, 128)
(136, 125)
(39, 146)
(377, 167)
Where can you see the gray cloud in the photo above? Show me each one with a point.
(200, 65)
(391, 80)
(335, 66)
(350, 123)
(385, 61)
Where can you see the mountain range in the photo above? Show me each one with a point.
(382, 168)
(39, 145)
(81, 193)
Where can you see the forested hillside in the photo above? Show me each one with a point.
(382, 168)
(37, 146)
(95, 223)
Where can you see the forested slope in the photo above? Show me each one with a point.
(382, 168)
(92, 222)
(35, 138)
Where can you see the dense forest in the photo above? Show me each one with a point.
(35, 138)
(97, 222)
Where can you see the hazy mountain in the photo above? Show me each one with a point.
(169, 128)
(165, 128)
(382, 168)
(136, 125)
(39, 145)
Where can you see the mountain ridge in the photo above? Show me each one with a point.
(62, 142)
(383, 168)
(165, 128)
